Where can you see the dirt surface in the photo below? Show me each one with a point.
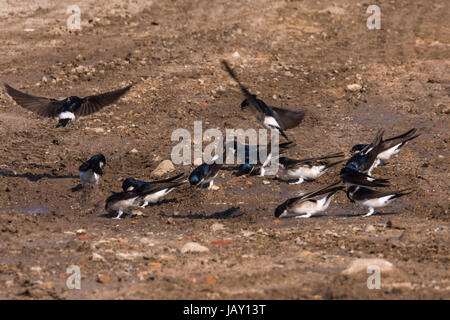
(295, 54)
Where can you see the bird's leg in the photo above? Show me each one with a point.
(371, 212)
(261, 172)
(300, 180)
(144, 204)
(119, 214)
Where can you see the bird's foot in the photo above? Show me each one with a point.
(371, 212)
(297, 182)
(118, 215)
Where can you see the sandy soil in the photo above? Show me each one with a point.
(294, 54)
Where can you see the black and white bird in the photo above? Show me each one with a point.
(257, 157)
(355, 178)
(308, 204)
(67, 109)
(271, 118)
(92, 170)
(152, 192)
(308, 169)
(390, 147)
(122, 202)
(374, 199)
(204, 174)
(366, 159)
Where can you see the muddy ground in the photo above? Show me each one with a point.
(295, 54)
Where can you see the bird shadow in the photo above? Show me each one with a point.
(128, 214)
(290, 181)
(77, 188)
(225, 214)
(343, 215)
(230, 168)
(162, 202)
(34, 177)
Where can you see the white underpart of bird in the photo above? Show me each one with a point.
(319, 206)
(310, 208)
(66, 115)
(154, 197)
(375, 203)
(270, 123)
(303, 173)
(89, 176)
(266, 162)
(210, 181)
(387, 154)
(375, 164)
(122, 205)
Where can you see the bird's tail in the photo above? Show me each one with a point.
(403, 192)
(334, 163)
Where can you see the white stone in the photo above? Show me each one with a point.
(163, 168)
(354, 87)
(359, 265)
(193, 247)
(217, 227)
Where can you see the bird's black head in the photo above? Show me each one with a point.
(357, 148)
(283, 161)
(72, 99)
(129, 184)
(280, 210)
(98, 160)
(246, 168)
(244, 104)
(96, 163)
(350, 190)
(194, 179)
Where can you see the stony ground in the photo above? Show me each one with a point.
(296, 54)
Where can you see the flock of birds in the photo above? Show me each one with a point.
(355, 176)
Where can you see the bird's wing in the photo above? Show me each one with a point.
(352, 176)
(288, 119)
(85, 166)
(256, 106)
(376, 142)
(330, 188)
(124, 195)
(410, 135)
(153, 188)
(215, 167)
(403, 135)
(94, 103)
(330, 156)
(244, 90)
(42, 106)
(307, 196)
